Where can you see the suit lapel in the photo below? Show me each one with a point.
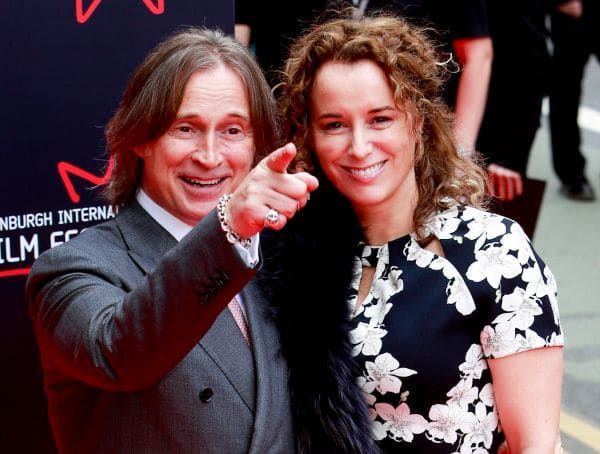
(145, 238)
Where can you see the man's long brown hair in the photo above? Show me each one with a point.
(154, 93)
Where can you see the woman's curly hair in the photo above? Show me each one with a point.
(416, 72)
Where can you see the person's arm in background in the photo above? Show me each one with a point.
(504, 183)
(474, 49)
(242, 33)
(573, 8)
(475, 57)
(244, 11)
(527, 390)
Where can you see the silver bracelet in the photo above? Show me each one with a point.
(232, 236)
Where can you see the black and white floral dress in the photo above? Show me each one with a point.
(424, 332)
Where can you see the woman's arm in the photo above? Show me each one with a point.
(527, 389)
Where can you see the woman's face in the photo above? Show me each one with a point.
(363, 141)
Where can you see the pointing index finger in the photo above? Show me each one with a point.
(280, 159)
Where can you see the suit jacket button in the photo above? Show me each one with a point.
(206, 395)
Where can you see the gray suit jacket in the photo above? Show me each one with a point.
(139, 353)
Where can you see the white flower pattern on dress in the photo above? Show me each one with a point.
(513, 241)
(377, 311)
(492, 264)
(519, 290)
(499, 341)
(415, 253)
(483, 227)
(399, 423)
(463, 394)
(457, 291)
(383, 373)
(447, 421)
(552, 293)
(367, 339)
(484, 426)
(487, 395)
(474, 363)
(385, 287)
(458, 294)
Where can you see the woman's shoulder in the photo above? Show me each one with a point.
(467, 222)
(468, 213)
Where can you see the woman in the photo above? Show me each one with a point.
(444, 317)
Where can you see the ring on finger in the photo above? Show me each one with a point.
(272, 217)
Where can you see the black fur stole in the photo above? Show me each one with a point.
(307, 272)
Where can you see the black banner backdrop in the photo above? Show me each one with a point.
(64, 65)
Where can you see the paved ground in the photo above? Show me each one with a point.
(568, 238)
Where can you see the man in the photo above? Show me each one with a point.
(139, 351)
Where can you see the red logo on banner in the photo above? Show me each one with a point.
(83, 15)
(66, 169)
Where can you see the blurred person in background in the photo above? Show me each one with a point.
(518, 84)
(575, 32)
